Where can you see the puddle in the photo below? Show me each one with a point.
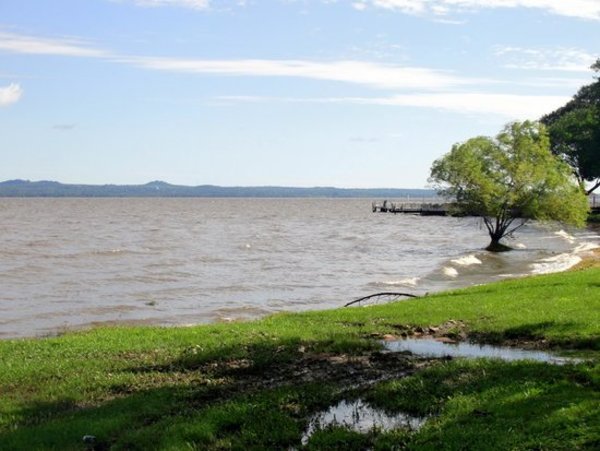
(432, 348)
(360, 417)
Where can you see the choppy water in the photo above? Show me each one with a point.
(68, 263)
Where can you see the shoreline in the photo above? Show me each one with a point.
(589, 260)
(217, 386)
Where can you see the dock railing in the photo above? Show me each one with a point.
(424, 205)
(438, 204)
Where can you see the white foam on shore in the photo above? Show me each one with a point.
(558, 263)
(586, 247)
(407, 282)
(562, 262)
(520, 246)
(449, 271)
(466, 261)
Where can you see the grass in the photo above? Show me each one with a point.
(493, 405)
(254, 385)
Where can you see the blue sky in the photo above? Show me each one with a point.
(363, 93)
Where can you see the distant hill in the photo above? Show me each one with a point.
(26, 188)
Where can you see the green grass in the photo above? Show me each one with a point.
(242, 385)
(493, 405)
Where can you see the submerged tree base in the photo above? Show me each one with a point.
(495, 246)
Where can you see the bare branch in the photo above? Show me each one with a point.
(376, 295)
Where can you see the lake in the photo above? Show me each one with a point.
(71, 263)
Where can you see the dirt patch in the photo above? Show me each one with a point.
(590, 260)
(344, 370)
(452, 331)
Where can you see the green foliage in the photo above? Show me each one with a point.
(575, 132)
(513, 176)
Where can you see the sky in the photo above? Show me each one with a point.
(356, 93)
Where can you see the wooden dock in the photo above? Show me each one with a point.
(424, 208)
(438, 207)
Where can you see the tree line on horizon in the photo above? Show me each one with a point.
(26, 188)
(530, 170)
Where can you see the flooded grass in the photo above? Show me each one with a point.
(359, 416)
(431, 348)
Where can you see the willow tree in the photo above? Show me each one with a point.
(508, 180)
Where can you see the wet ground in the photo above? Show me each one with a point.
(432, 348)
(361, 417)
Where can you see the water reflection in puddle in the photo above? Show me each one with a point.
(360, 417)
(432, 348)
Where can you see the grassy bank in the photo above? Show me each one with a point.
(255, 385)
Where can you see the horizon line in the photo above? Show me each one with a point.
(157, 182)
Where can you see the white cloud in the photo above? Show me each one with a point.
(18, 43)
(192, 4)
(10, 94)
(585, 9)
(370, 74)
(558, 59)
(430, 88)
(510, 106)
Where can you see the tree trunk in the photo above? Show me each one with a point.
(495, 245)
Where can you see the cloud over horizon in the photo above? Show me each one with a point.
(376, 75)
(367, 73)
(557, 59)
(193, 4)
(583, 9)
(508, 106)
(19, 43)
(10, 94)
(415, 86)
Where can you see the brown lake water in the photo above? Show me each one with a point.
(70, 263)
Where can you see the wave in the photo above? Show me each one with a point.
(566, 236)
(558, 263)
(562, 262)
(110, 252)
(449, 271)
(586, 247)
(589, 236)
(408, 282)
(467, 261)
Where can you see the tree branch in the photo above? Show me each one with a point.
(593, 188)
(514, 229)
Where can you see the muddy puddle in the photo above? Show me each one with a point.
(359, 416)
(427, 347)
